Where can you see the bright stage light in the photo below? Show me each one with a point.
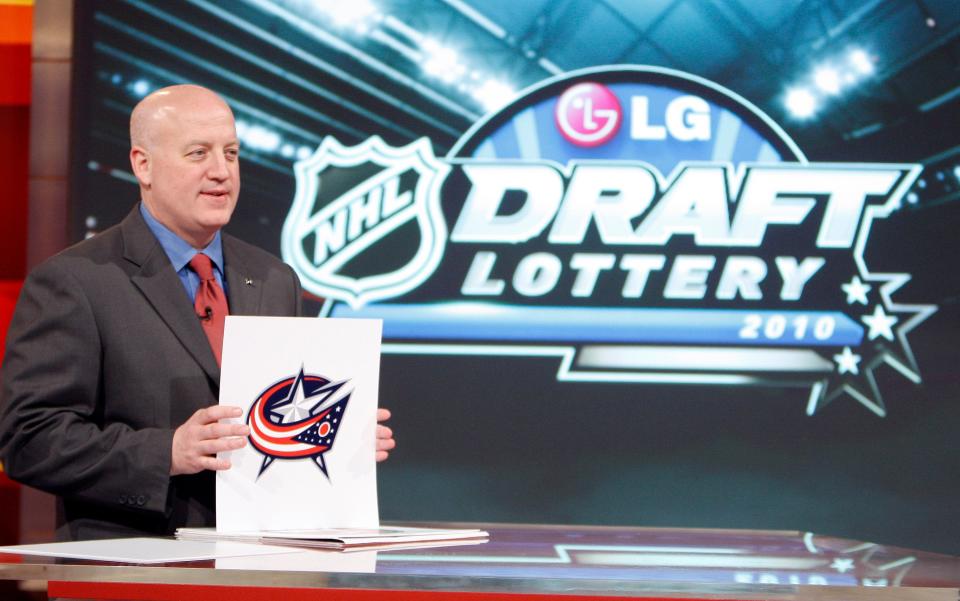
(493, 94)
(257, 137)
(140, 87)
(827, 80)
(860, 61)
(440, 61)
(354, 13)
(260, 138)
(801, 103)
(832, 77)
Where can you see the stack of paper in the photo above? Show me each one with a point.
(342, 538)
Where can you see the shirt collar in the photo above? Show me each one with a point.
(179, 250)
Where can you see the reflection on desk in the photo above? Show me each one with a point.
(543, 560)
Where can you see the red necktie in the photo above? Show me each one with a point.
(210, 303)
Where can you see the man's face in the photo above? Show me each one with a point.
(192, 169)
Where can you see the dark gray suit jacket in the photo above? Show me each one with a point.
(105, 358)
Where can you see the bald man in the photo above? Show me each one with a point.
(110, 384)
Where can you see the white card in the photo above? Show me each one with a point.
(308, 388)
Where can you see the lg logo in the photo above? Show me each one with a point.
(589, 114)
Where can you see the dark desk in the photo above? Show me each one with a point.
(527, 562)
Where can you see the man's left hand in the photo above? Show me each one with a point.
(385, 441)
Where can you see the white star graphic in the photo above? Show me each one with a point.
(856, 291)
(842, 564)
(847, 362)
(880, 324)
(296, 406)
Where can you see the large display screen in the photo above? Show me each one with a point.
(637, 286)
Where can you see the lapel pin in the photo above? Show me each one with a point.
(248, 281)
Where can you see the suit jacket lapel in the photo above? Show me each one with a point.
(243, 288)
(164, 290)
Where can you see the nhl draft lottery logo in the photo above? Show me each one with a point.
(297, 417)
(638, 224)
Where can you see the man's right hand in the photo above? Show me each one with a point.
(197, 442)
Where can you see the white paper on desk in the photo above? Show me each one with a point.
(308, 388)
(361, 562)
(147, 550)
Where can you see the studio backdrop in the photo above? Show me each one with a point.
(672, 263)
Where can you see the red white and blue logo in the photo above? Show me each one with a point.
(298, 417)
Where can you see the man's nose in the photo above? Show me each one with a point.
(217, 169)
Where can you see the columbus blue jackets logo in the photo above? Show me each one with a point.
(298, 418)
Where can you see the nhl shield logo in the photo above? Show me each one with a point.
(348, 199)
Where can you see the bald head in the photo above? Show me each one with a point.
(185, 155)
(170, 106)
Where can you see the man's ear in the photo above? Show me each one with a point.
(140, 163)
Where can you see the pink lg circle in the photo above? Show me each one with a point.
(588, 114)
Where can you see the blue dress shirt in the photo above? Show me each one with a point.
(180, 252)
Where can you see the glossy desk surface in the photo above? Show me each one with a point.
(542, 560)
